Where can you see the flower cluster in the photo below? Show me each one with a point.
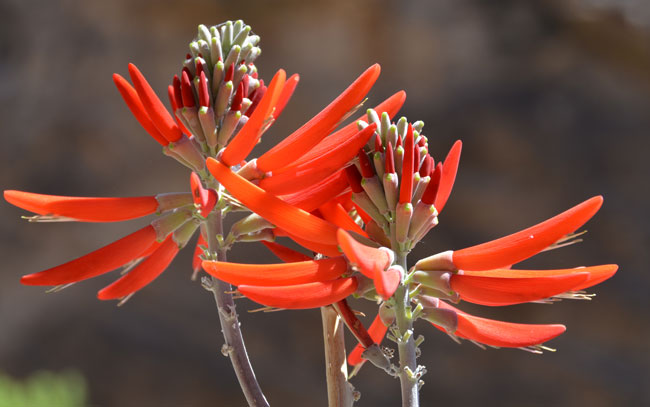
(358, 198)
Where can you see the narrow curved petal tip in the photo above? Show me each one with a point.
(519, 246)
(83, 209)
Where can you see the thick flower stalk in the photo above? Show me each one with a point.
(397, 192)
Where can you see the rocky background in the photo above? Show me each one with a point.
(551, 99)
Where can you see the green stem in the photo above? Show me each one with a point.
(234, 342)
(406, 342)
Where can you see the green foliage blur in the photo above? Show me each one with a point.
(44, 389)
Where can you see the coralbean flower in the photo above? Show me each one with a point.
(397, 193)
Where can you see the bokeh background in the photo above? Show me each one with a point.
(551, 99)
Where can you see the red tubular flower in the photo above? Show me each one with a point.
(132, 100)
(502, 334)
(329, 250)
(154, 107)
(305, 173)
(312, 132)
(309, 271)
(317, 194)
(390, 106)
(242, 144)
(198, 251)
(406, 184)
(98, 262)
(83, 209)
(333, 212)
(275, 210)
(301, 296)
(284, 253)
(368, 259)
(448, 176)
(497, 291)
(595, 274)
(528, 242)
(377, 332)
(143, 274)
(287, 92)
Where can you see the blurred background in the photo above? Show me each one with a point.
(552, 102)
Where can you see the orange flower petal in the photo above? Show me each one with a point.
(312, 132)
(317, 194)
(497, 291)
(301, 296)
(242, 144)
(293, 220)
(198, 251)
(143, 274)
(154, 107)
(502, 334)
(280, 274)
(132, 100)
(284, 253)
(368, 259)
(406, 183)
(98, 262)
(448, 176)
(377, 332)
(299, 176)
(84, 209)
(333, 212)
(287, 92)
(386, 282)
(390, 106)
(329, 250)
(596, 274)
(528, 242)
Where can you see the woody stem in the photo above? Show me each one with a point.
(234, 346)
(339, 390)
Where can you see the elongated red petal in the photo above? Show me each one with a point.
(528, 242)
(84, 209)
(390, 106)
(329, 250)
(368, 259)
(333, 212)
(503, 334)
(296, 177)
(448, 176)
(293, 220)
(285, 96)
(132, 100)
(98, 262)
(242, 144)
(406, 183)
(498, 291)
(284, 253)
(198, 251)
(596, 274)
(312, 132)
(301, 296)
(143, 274)
(431, 191)
(154, 107)
(377, 332)
(171, 93)
(315, 195)
(386, 282)
(309, 271)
